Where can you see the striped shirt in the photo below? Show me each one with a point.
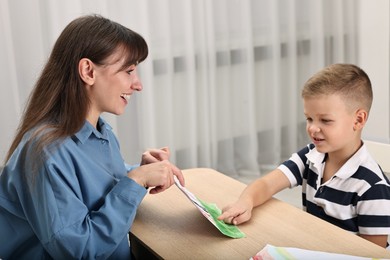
(356, 198)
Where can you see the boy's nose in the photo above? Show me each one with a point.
(314, 129)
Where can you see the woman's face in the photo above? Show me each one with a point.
(112, 86)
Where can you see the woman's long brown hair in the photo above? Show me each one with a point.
(58, 105)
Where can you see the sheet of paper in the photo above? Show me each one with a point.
(211, 212)
(270, 252)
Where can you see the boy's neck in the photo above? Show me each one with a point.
(336, 160)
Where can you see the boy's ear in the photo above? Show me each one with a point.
(86, 71)
(361, 119)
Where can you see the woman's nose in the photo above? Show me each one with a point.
(136, 84)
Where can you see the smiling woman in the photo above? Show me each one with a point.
(65, 190)
(114, 72)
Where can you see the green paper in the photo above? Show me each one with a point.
(226, 229)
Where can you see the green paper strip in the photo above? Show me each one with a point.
(226, 229)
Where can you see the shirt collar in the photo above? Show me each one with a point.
(87, 130)
(348, 169)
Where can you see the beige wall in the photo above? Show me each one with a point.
(374, 59)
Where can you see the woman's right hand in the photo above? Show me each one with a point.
(156, 175)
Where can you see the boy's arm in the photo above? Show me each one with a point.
(254, 195)
(380, 240)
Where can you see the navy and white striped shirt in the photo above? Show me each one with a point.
(356, 198)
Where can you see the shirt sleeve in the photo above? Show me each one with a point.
(373, 210)
(295, 166)
(131, 167)
(67, 228)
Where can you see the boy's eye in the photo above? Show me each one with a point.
(309, 119)
(326, 120)
(129, 71)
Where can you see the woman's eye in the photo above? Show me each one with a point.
(326, 120)
(129, 72)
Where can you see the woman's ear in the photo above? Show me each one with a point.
(361, 117)
(86, 71)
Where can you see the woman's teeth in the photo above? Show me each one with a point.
(126, 96)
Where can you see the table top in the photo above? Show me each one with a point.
(173, 228)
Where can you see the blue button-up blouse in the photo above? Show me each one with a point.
(80, 205)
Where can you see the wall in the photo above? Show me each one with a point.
(374, 59)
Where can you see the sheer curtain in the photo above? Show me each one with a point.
(222, 81)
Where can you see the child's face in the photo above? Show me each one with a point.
(330, 125)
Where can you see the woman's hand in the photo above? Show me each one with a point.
(155, 155)
(156, 171)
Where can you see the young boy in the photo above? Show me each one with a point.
(341, 182)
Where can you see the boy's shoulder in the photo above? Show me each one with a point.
(368, 168)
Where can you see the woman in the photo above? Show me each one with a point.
(65, 191)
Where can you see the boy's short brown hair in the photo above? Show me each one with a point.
(347, 80)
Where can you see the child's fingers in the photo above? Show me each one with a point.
(226, 217)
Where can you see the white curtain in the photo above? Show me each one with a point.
(222, 81)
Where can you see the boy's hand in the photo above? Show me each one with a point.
(236, 213)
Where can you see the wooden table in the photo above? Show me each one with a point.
(169, 226)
